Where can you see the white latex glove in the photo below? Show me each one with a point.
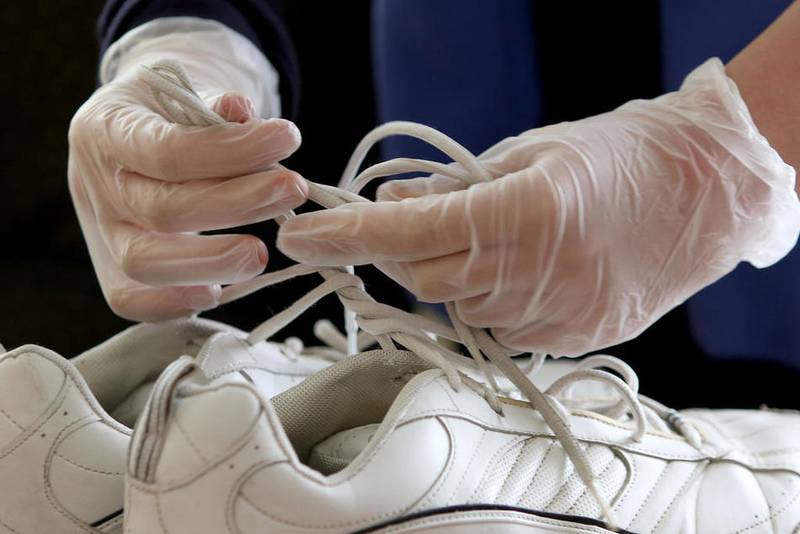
(591, 231)
(144, 187)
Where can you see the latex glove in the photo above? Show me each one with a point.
(591, 230)
(144, 187)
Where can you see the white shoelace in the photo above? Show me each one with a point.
(389, 326)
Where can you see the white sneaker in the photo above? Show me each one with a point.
(383, 443)
(64, 424)
(403, 441)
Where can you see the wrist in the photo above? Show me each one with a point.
(725, 141)
(217, 59)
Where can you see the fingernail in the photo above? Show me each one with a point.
(290, 131)
(388, 191)
(298, 249)
(295, 131)
(200, 300)
(293, 227)
(261, 249)
(302, 187)
(216, 292)
(251, 108)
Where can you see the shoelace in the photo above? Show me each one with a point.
(388, 326)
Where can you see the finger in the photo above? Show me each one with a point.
(157, 259)
(447, 278)
(213, 203)
(414, 229)
(487, 311)
(556, 339)
(396, 190)
(517, 305)
(138, 302)
(145, 142)
(234, 107)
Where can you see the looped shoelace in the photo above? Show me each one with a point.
(389, 326)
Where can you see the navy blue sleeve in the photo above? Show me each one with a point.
(260, 21)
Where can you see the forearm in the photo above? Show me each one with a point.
(260, 21)
(217, 59)
(767, 73)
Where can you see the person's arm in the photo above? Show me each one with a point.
(145, 189)
(767, 73)
(592, 230)
(259, 21)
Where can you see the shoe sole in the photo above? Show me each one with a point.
(484, 519)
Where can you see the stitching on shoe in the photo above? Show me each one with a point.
(360, 521)
(236, 491)
(529, 490)
(677, 495)
(631, 463)
(3, 412)
(6, 525)
(437, 520)
(155, 489)
(447, 393)
(49, 491)
(447, 470)
(637, 449)
(471, 461)
(571, 476)
(40, 421)
(773, 515)
(650, 492)
(90, 469)
(188, 439)
(160, 515)
(517, 460)
(502, 450)
(600, 475)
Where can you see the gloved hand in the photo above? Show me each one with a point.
(144, 187)
(590, 231)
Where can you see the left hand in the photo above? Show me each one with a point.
(590, 230)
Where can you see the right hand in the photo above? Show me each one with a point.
(143, 187)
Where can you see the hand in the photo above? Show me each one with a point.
(590, 230)
(144, 187)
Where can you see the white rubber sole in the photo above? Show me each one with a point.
(489, 522)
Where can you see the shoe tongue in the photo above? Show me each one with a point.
(225, 353)
(228, 356)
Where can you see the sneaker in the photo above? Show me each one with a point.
(404, 441)
(65, 424)
(383, 442)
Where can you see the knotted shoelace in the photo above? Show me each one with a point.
(368, 321)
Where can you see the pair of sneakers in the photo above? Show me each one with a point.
(381, 441)
(405, 438)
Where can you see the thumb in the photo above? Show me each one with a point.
(395, 190)
(234, 107)
(366, 232)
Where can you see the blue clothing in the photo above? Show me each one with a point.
(258, 20)
(751, 312)
(470, 68)
(465, 67)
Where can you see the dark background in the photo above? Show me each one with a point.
(48, 292)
